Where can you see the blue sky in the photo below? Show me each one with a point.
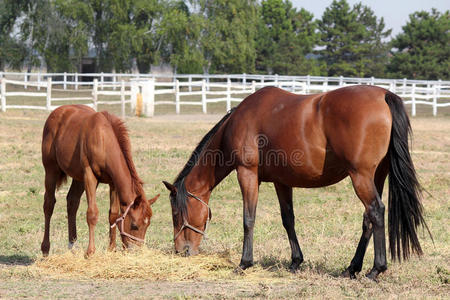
(395, 12)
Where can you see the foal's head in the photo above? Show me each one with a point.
(137, 221)
(190, 215)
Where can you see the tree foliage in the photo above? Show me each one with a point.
(353, 40)
(220, 36)
(423, 48)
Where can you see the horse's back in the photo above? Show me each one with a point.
(321, 136)
(68, 137)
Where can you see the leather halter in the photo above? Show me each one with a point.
(187, 225)
(121, 219)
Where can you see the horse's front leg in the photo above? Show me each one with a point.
(90, 185)
(248, 181)
(114, 208)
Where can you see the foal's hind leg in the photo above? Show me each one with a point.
(284, 194)
(51, 180)
(90, 185)
(114, 208)
(357, 261)
(366, 190)
(73, 202)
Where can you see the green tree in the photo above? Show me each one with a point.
(227, 39)
(353, 40)
(12, 50)
(285, 37)
(422, 50)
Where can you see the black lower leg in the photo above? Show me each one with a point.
(357, 261)
(376, 215)
(247, 249)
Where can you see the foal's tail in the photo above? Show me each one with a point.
(405, 208)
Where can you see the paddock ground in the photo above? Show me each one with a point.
(328, 224)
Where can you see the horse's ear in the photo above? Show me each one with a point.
(170, 187)
(153, 200)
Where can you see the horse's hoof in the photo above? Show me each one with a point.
(372, 275)
(295, 265)
(245, 265)
(348, 274)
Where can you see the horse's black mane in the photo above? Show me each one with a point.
(180, 200)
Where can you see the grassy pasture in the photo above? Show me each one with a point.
(328, 224)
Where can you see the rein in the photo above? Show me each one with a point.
(122, 219)
(187, 225)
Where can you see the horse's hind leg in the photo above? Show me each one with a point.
(367, 191)
(52, 177)
(284, 194)
(357, 261)
(114, 209)
(73, 202)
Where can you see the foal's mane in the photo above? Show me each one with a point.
(121, 133)
(180, 200)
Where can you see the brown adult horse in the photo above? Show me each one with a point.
(307, 141)
(91, 148)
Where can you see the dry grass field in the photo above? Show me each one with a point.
(328, 224)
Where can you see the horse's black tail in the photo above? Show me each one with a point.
(405, 208)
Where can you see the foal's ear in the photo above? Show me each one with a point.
(153, 200)
(170, 187)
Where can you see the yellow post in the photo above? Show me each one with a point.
(139, 104)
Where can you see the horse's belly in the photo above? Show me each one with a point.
(302, 169)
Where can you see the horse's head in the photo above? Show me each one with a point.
(136, 223)
(190, 216)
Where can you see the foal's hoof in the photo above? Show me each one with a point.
(348, 274)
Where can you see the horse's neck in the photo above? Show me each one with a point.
(122, 181)
(210, 169)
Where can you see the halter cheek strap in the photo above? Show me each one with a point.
(121, 219)
(187, 225)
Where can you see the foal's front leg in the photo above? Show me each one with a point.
(90, 185)
(248, 181)
(114, 208)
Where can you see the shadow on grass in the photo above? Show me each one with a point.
(274, 264)
(16, 260)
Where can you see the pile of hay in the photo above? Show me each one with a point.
(148, 264)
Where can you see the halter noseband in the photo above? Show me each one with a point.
(187, 225)
(121, 219)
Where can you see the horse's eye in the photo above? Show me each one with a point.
(134, 227)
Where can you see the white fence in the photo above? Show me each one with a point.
(196, 89)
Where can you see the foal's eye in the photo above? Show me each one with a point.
(134, 227)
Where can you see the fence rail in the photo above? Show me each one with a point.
(197, 89)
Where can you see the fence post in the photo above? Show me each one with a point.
(76, 81)
(95, 93)
(244, 81)
(262, 81)
(148, 97)
(39, 81)
(293, 85)
(308, 84)
(253, 86)
(276, 81)
(102, 80)
(341, 81)
(25, 79)
(114, 78)
(177, 97)
(435, 100)
(65, 81)
(203, 96)
(413, 100)
(228, 93)
(3, 93)
(190, 83)
(325, 86)
(404, 87)
(49, 93)
(122, 98)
